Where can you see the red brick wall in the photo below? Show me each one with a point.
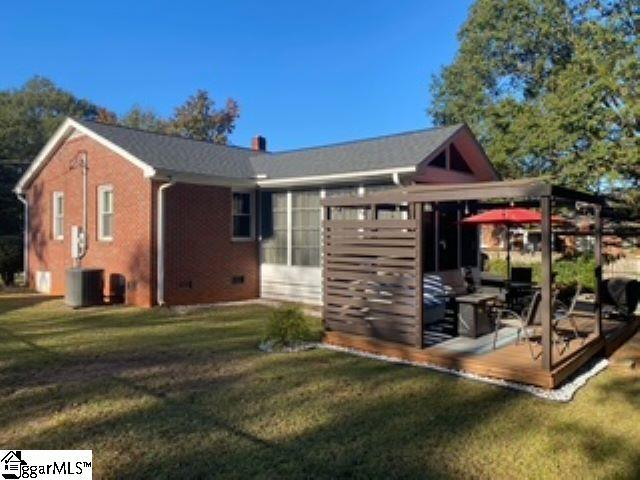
(201, 258)
(130, 252)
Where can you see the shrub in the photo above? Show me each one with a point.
(569, 273)
(286, 326)
(580, 270)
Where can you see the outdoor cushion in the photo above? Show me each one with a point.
(434, 296)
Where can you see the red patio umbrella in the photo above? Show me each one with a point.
(505, 216)
(508, 217)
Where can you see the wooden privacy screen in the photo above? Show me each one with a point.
(371, 285)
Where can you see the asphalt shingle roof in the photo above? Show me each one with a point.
(400, 150)
(176, 154)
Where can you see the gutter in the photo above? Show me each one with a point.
(262, 180)
(25, 242)
(336, 177)
(160, 243)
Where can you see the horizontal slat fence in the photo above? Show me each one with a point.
(370, 280)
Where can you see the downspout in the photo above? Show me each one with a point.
(160, 243)
(25, 241)
(395, 176)
(83, 240)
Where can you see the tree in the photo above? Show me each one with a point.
(198, 119)
(144, 119)
(28, 117)
(106, 116)
(550, 87)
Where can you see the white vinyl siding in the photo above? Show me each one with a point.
(58, 216)
(105, 212)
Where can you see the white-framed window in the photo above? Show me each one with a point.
(242, 215)
(290, 224)
(274, 227)
(105, 212)
(58, 216)
(305, 228)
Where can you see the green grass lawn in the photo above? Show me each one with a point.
(160, 395)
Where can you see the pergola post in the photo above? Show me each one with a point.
(326, 218)
(436, 234)
(598, 269)
(418, 209)
(546, 282)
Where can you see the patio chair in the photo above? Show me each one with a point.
(562, 312)
(522, 322)
(529, 321)
(522, 274)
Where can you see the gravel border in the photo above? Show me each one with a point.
(268, 346)
(564, 393)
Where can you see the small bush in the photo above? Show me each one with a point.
(580, 270)
(287, 326)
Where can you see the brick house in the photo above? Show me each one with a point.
(179, 221)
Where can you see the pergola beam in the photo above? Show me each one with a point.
(520, 190)
(567, 193)
(516, 189)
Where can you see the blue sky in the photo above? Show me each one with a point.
(304, 72)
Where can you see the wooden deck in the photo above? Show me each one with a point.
(511, 362)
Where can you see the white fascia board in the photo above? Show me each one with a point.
(60, 135)
(336, 177)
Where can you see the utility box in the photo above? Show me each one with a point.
(84, 287)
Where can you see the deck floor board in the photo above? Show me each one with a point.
(511, 362)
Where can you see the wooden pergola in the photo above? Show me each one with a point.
(374, 267)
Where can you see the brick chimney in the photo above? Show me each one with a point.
(259, 143)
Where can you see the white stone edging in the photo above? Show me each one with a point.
(564, 393)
